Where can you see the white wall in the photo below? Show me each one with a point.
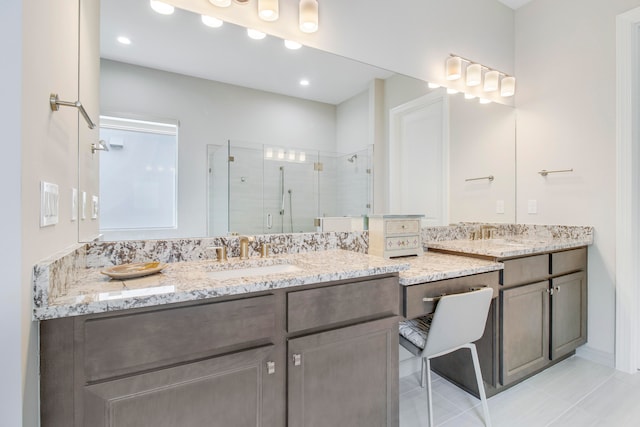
(11, 304)
(481, 143)
(211, 113)
(565, 64)
(352, 123)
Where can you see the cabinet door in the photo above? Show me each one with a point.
(525, 330)
(345, 377)
(233, 390)
(568, 313)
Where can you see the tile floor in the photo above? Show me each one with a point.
(575, 392)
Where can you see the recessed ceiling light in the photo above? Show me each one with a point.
(255, 34)
(211, 21)
(290, 44)
(304, 82)
(161, 7)
(124, 40)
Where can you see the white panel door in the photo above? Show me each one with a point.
(418, 158)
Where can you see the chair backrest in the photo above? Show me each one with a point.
(459, 319)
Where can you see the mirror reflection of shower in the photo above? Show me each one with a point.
(352, 158)
(282, 205)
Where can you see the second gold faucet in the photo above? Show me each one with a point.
(244, 246)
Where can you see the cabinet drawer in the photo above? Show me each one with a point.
(414, 306)
(525, 270)
(402, 243)
(402, 226)
(140, 341)
(321, 307)
(568, 261)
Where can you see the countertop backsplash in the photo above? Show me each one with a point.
(53, 276)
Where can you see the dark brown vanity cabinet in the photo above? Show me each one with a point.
(543, 311)
(230, 361)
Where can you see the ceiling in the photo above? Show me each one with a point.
(180, 43)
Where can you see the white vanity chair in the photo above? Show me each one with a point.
(457, 322)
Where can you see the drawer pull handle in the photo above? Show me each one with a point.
(297, 359)
(271, 368)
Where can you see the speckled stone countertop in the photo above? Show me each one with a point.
(93, 292)
(433, 266)
(507, 247)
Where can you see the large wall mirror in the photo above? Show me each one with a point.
(235, 142)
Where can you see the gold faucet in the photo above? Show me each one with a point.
(244, 246)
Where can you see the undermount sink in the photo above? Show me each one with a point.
(253, 271)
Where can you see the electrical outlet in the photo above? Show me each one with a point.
(532, 207)
(49, 204)
(83, 206)
(500, 206)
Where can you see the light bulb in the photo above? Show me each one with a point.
(211, 21)
(161, 8)
(268, 10)
(508, 86)
(491, 79)
(220, 3)
(474, 74)
(454, 68)
(308, 19)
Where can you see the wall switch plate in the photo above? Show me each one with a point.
(94, 207)
(532, 207)
(49, 204)
(74, 204)
(500, 206)
(83, 206)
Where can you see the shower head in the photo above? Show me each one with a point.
(352, 158)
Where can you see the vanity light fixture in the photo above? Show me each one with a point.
(454, 68)
(491, 80)
(290, 44)
(255, 34)
(161, 7)
(508, 86)
(220, 3)
(124, 40)
(308, 18)
(268, 10)
(474, 74)
(211, 21)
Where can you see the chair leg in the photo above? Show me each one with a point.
(427, 368)
(483, 395)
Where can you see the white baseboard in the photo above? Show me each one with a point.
(598, 356)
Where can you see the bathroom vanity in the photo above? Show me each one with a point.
(320, 343)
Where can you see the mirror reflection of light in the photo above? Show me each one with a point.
(255, 34)
(469, 96)
(290, 44)
(281, 154)
(161, 7)
(124, 40)
(292, 155)
(304, 82)
(148, 168)
(303, 156)
(269, 153)
(211, 21)
(485, 101)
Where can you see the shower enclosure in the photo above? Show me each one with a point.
(263, 189)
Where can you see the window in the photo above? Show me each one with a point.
(138, 175)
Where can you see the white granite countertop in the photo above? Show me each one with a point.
(508, 247)
(94, 292)
(433, 266)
